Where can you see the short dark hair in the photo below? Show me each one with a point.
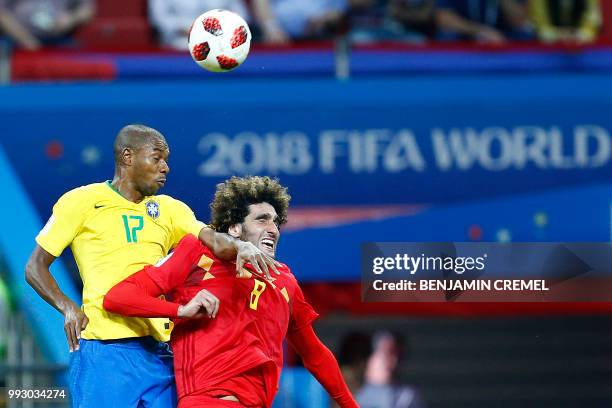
(233, 197)
(133, 137)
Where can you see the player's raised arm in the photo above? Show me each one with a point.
(320, 361)
(228, 248)
(138, 295)
(39, 276)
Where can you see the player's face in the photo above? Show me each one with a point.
(150, 167)
(260, 228)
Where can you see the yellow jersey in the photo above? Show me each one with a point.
(111, 238)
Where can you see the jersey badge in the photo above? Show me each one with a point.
(152, 209)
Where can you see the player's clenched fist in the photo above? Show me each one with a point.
(204, 303)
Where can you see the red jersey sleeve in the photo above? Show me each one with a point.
(138, 296)
(172, 271)
(320, 361)
(302, 314)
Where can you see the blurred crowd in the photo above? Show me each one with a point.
(30, 24)
(370, 365)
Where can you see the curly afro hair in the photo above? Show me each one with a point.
(233, 197)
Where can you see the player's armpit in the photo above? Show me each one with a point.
(138, 296)
(320, 361)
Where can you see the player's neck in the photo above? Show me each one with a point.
(126, 189)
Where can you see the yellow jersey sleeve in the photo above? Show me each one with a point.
(64, 224)
(184, 222)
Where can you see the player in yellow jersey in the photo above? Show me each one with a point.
(114, 229)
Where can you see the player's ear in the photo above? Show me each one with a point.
(127, 156)
(235, 230)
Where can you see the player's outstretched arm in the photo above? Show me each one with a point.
(138, 296)
(38, 276)
(229, 248)
(320, 361)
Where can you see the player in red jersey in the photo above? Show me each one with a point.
(234, 357)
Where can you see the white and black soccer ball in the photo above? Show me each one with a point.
(219, 40)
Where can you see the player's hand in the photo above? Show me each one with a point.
(202, 304)
(262, 263)
(74, 321)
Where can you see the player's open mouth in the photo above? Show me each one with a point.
(268, 243)
(161, 182)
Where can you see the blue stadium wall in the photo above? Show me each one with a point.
(496, 157)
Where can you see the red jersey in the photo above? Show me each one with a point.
(240, 351)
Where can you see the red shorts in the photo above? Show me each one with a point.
(202, 401)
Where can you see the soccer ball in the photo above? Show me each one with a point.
(219, 40)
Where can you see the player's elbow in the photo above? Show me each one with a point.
(31, 270)
(314, 363)
(37, 267)
(28, 273)
(116, 299)
(109, 303)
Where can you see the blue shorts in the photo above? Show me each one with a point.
(121, 373)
